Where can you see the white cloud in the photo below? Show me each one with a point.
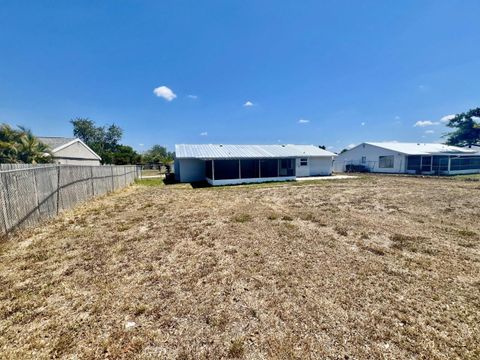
(475, 118)
(141, 145)
(303, 121)
(204, 133)
(447, 118)
(351, 146)
(429, 131)
(423, 123)
(329, 147)
(248, 104)
(193, 97)
(164, 92)
(362, 123)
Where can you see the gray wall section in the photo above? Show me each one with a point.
(85, 162)
(191, 170)
(76, 150)
(176, 169)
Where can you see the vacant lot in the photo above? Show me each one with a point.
(375, 267)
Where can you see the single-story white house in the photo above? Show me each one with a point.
(409, 158)
(236, 164)
(70, 151)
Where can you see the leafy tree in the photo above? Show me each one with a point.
(112, 136)
(467, 129)
(86, 130)
(21, 146)
(105, 141)
(158, 154)
(123, 155)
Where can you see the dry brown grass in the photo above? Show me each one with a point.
(377, 267)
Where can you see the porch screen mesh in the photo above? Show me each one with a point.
(208, 169)
(250, 169)
(226, 169)
(269, 168)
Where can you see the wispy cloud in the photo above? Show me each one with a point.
(204, 133)
(429, 131)
(423, 123)
(164, 92)
(447, 118)
(193, 97)
(248, 104)
(303, 121)
(141, 145)
(397, 117)
(362, 123)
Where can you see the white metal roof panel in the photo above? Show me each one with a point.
(422, 148)
(229, 151)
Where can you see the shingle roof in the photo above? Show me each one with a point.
(219, 151)
(54, 142)
(422, 149)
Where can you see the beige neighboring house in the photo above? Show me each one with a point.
(70, 151)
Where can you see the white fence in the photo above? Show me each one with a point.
(30, 194)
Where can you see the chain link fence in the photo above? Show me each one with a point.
(30, 194)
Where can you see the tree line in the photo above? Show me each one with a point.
(21, 146)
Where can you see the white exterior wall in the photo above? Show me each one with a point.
(190, 170)
(320, 166)
(302, 170)
(317, 166)
(372, 154)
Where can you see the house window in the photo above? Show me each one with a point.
(364, 159)
(304, 162)
(385, 162)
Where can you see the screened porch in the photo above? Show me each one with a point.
(443, 164)
(249, 170)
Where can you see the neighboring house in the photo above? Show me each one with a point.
(236, 164)
(410, 158)
(70, 151)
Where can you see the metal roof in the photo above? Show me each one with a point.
(54, 142)
(219, 151)
(422, 149)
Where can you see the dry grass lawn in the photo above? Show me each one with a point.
(376, 267)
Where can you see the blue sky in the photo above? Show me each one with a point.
(352, 71)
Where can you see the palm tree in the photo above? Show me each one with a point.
(31, 150)
(8, 142)
(21, 146)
